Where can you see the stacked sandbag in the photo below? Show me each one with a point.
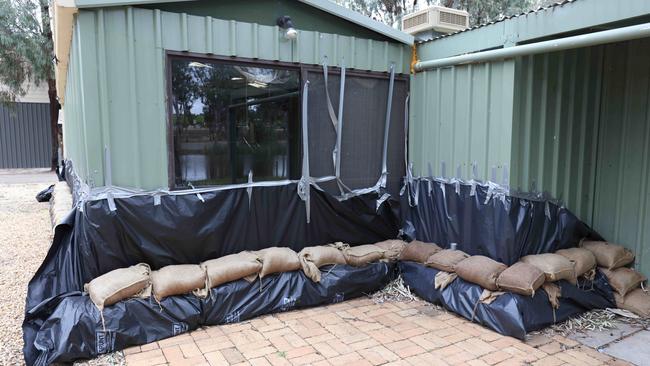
(610, 256)
(521, 278)
(120, 284)
(312, 258)
(627, 283)
(363, 255)
(584, 261)
(60, 202)
(446, 259)
(623, 280)
(554, 266)
(480, 270)
(392, 248)
(636, 301)
(417, 251)
(278, 259)
(178, 279)
(230, 268)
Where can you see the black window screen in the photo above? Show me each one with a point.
(364, 116)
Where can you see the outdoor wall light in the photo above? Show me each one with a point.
(286, 23)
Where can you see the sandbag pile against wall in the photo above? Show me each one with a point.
(612, 260)
(183, 229)
(510, 314)
(69, 327)
(504, 228)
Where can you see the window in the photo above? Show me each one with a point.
(231, 118)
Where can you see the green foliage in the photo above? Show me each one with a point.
(25, 46)
(481, 11)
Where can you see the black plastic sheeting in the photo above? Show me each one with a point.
(45, 195)
(510, 314)
(503, 227)
(186, 229)
(69, 327)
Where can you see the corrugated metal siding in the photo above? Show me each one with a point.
(556, 125)
(582, 133)
(622, 205)
(461, 115)
(25, 136)
(121, 78)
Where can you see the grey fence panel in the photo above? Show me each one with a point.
(25, 136)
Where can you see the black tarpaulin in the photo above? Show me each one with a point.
(70, 327)
(483, 220)
(189, 228)
(510, 314)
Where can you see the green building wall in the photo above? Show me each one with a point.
(574, 124)
(116, 99)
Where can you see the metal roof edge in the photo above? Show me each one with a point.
(324, 5)
(360, 19)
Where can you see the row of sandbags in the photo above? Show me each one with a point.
(539, 270)
(140, 281)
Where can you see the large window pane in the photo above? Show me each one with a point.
(229, 119)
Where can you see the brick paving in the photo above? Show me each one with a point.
(360, 332)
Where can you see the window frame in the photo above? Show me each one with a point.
(303, 69)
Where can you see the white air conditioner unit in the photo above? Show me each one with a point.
(437, 18)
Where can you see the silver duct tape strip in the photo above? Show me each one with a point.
(249, 190)
(381, 200)
(389, 106)
(111, 202)
(303, 185)
(156, 200)
(339, 132)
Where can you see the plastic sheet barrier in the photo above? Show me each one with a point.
(482, 219)
(510, 314)
(102, 234)
(61, 324)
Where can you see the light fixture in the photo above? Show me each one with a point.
(286, 23)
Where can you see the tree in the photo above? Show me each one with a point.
(481, 11)
(27, 55)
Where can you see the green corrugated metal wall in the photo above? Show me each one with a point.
(118, 79)
(555, 128)
(578, 128)
(622, 195)
(461, 115)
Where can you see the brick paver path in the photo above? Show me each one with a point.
(360, 332)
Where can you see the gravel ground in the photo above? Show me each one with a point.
(25, 236)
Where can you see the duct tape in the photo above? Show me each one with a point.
(472, 190)
(475, 170)
(547, 210)
(488, 196)
(200, 197)
(303, 185)
(389, 106)
(430, 186)
(249, 190)
(111, 202)
(459, 172)
(156, 200)
(381, 200)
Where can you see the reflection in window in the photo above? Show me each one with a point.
(229, 119)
